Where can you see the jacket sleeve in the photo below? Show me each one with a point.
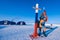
(46, 18)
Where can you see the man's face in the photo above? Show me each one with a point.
(44, 13)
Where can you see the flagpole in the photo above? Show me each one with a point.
(35, 33)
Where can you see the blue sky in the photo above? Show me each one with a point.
(17, 10)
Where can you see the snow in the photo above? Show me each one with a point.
(22, 32)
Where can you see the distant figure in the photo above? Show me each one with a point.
(43, 19)
(51, 24)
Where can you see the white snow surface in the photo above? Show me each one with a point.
(22, 32)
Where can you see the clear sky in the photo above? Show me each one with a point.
(17, 10)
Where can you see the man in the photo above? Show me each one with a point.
(42, 28)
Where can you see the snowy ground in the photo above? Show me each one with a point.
(14, 32)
